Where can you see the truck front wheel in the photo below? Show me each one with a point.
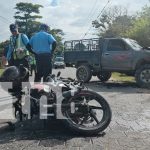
(142, 76)
(104, 76)
(84, 73)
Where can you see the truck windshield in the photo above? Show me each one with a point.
(134, 44)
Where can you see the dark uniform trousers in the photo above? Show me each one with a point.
(43, 66)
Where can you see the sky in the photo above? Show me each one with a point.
(74, 17)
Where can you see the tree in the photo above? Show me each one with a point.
(114, 22)
(26, 19)
(2, 45)
(26, 15)
(141, 27)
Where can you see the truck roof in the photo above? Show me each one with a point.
(97, 39)
(86, 44)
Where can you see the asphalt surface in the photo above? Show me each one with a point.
(128, 130)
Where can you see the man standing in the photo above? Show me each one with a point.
(17, 52)
(17, 56)
(43, 44)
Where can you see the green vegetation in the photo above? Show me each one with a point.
(122, 77)
(26, 16)
(1, 70)
(116, 22)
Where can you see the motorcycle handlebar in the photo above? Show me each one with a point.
(72, 80)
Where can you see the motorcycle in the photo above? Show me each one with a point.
(82, 110)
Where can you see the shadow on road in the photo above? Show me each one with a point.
(49, 134)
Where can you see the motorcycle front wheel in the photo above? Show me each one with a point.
(88, 114)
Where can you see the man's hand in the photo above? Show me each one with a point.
(20, 50)
(29, 48)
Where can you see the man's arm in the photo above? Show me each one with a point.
(53, 47)
(53, 42)
(27, 44)
(29, 48)
(25, 39)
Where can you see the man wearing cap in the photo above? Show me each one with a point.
(17, 52)
(43, 44)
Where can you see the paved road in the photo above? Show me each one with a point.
(129, 128)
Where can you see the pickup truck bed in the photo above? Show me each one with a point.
(77, 57)
(82, 51)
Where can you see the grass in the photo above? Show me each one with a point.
(1, 70)
(122, 77)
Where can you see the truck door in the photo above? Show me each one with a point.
(117, 55)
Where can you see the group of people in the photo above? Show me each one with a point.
(21, 51)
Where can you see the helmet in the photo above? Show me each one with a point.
(10, 74)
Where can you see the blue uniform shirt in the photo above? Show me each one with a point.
(25, 41)
(42, 42)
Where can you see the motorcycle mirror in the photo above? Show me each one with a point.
(58, 74)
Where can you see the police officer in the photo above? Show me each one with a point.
(43, 44)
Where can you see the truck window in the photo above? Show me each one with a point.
(116, 45)
(79, 46)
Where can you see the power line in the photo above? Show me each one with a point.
(3, 21)
(93, 8)
(103, 9)
(8, 21)
(96, 18)
(92, 12)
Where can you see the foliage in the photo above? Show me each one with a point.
(141, 27)
(28, 24)
(2, 45)
(58, 33)
(26, 15)
(115, 22)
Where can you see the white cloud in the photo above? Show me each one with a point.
(72, 16)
